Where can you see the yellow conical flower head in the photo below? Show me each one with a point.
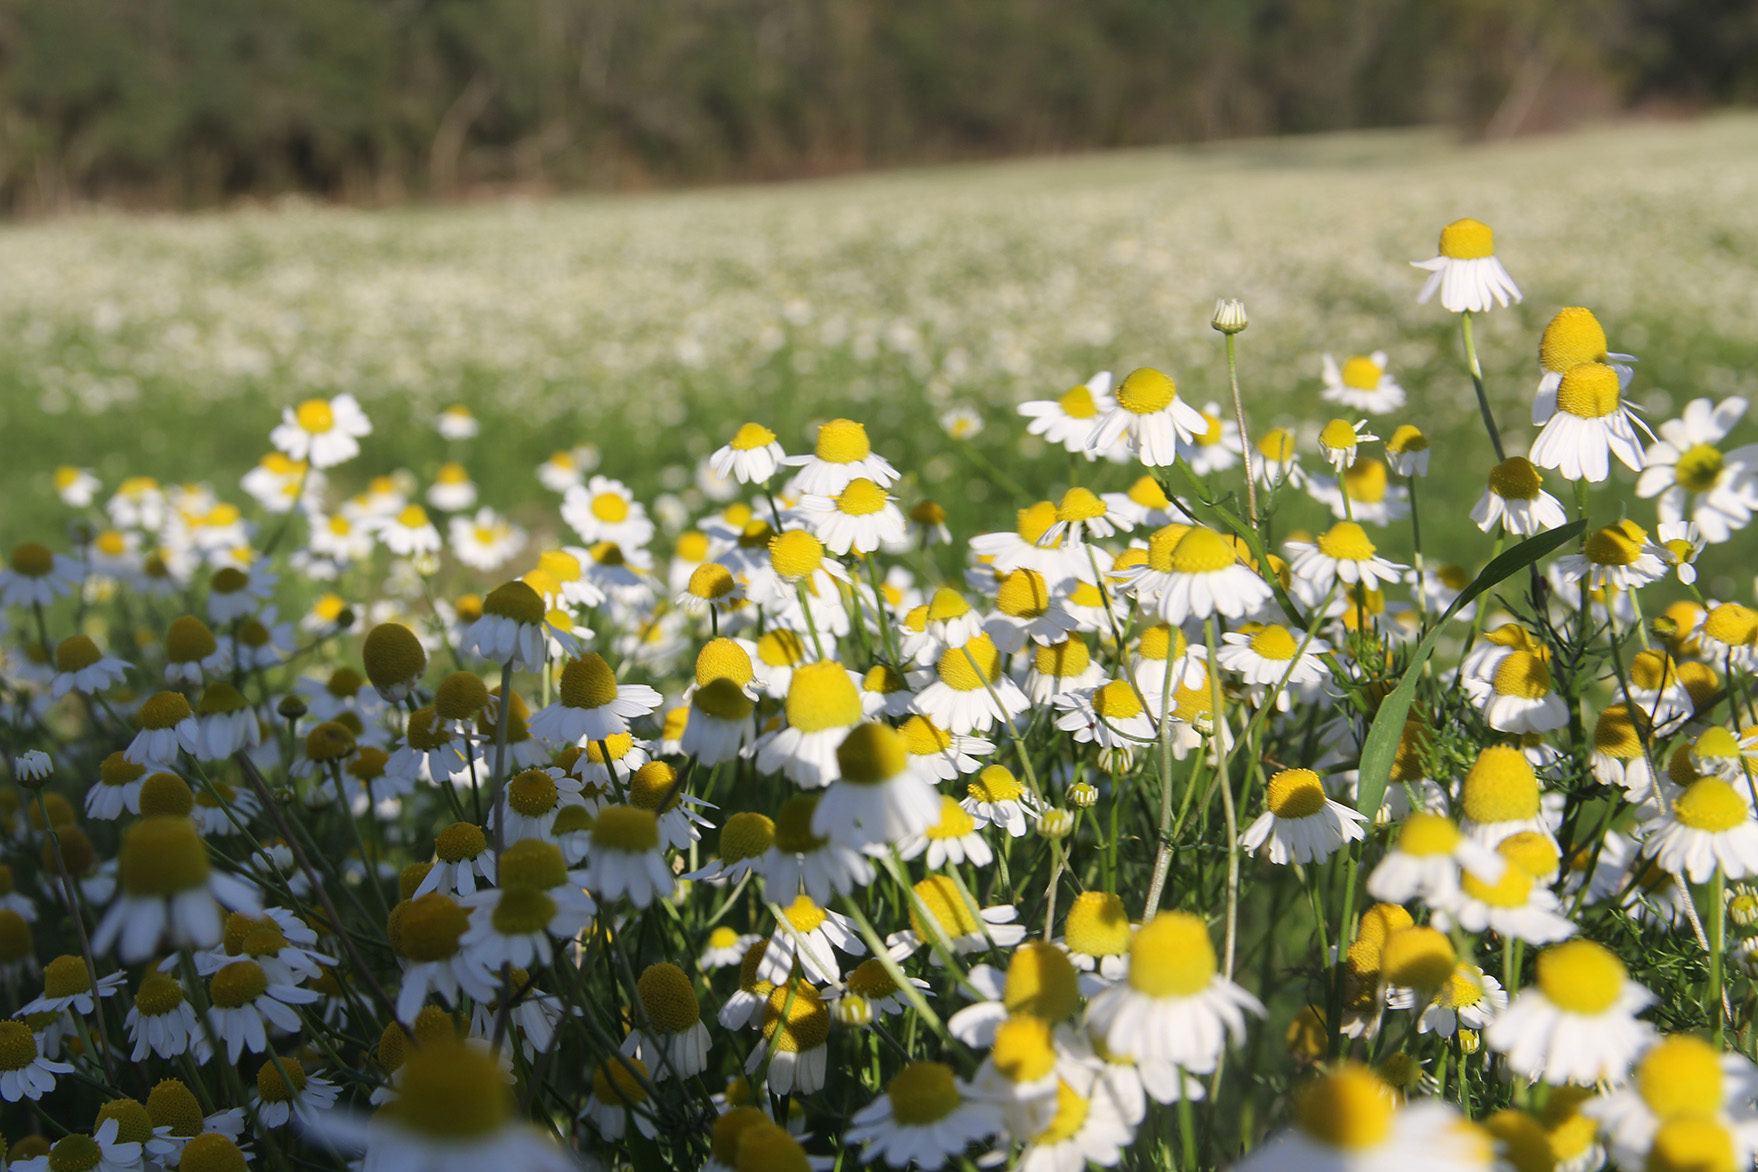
(1349, 1109)
(1500, 787)
(1042, 982)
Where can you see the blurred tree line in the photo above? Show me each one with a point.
(183, 102)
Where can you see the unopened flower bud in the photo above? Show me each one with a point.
(1468, 1041)
(291, 708)
(1229, 316)
(852, 1010)
(1056, 824)
(1742, 906)
(1083, 795)
(33, 768)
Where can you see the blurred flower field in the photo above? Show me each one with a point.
(911, 673)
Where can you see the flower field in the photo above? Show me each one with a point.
(1084, 664)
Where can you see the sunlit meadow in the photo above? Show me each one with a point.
(1094, 663)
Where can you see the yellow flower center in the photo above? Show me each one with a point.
(971, 666)
(1077, 403)
(1467, 239)
(1523, 674)
(862, 498)
(1097, 925)
(1531, 851)
(746, 835)
(1653, 670)
(793, 825)
(1024, 1050)
(412, 517)
(1274, 642)
(522, 911)
(74, 1153)
(315, 416)
(272, 1088)
(1062, 660)
(871, 754)
(691, 546)
(1515, 479)
(587, 682)
(1589, 391)
(1573, 337)
(821, 696)
(995, 783)
(1080, 504)
(923, 1093)
(941, 899)
(1580, 977)
(1500, 787)
(711, 581)
(1023, 595)
(1116, 701)
(1042, 982)
(884, 680)
(1733, 624)
(1681, 1075)
(723, 700)
(1699, 469)
(1366, 481)
(842, 441)
(1346, 542)
(807, 1023)
(1202, 551)
(1463, 989)
(158, 995)
(1172, 956)
(238, 984)
(626, 828)
(1512, 890)
(65, 976)
(1710, 804)
(1407, 439)
(1146, 492)
(1362, 374)
(1350, 1109)
(752, 436)
(1691, 1143)
(1033, 521)
(1612, 546)
(768, 1148)
(1146, 391)
(451, 1090)
(1295, 793)
(163, 856)
(669, 998)
(610, 507)
(1338, 435)
(954, 822)
(1417, 957)
(392, 655)
(780, 648)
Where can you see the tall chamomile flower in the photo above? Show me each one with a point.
(925, 1117)
(35, 576)
(1071, 418)
(1195, 572)
(168, 891)
(840, 455)
(1467, 274)
(1620, 556)
(81, 667)
(1707, 827)
(1300, 824)
(1150, 417)
(1578, 1022)
(750, 457)
(591, 705)
(1350, 1120)
(1515, 500)
(1589, 423)
(511, 629)
(1362, 383)
(323, 432)
(1694, 478)
(877, 799)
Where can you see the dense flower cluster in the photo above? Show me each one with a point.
(742, 841)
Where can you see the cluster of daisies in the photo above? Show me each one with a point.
(787, 830)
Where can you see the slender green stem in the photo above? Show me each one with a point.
(1489, 419)
(1715, 998)
(1244, 435)
(1219, 716)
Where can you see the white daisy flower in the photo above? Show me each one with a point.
(862, 517)
(1585, 423)
(1299, 823)
(1027, 610)
(1362, 383)
(674, 1042)
(925, 1117)
(1426, 861)
(1683, 542)
(456, 423)
(1515, 501)
(278, 1101)
(452, 490)
(1470, 999)
(34, 576)
(1467, 274)
(1071, 419)
(1518, 698)
(1514, 905)
(872, 983)
(67, 988)
(841, 453)
(1407, 451)
(76, 487)
(625, 858)
(169, 892)
(955, 839)
(590, 704)
(1350, 1121)
(798, 859)
(750, 457)
(1111, 716)
(245, 1003)
(1061, 669)
(1150, 417)
(606, 510)
(969, 691)
(1174, 1006)
(1275, 656)
(81, 667)
(1694, 479)
(1619, 556)
(726, 947)
(796, 1028)
(1343, 553)
(954, 922)
(1340, 441)
(1195, 572)
(25, 1073)
(409, 533)
(1680, 1078)
(809, 933)
(1706, 828)
(876, 799)
(823, 704)
(325, 432)
(486, 541)
(1578, 1023)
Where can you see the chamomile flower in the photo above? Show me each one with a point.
(1150, 417)
(955, 839)
(81, 667)
(1071, 419)
(861, 517)
(605, 510)
(1578, 1022)
(1680, 1078)
(925, 1117)
(324, 432)
(1027, 611)
(1515, 501)
(452, 490)
(1145, 503)
(1590, 423)
(726, 947)
(278, 1101)
(796, 1028)
(76, 487)
(1706, 828)
(1618, 556)
(942, 918)
(1111, 716)
(1340, 441)
(1349, 1120)
(968, 691)
(1216, 447)
(876, 799)
(841, 454)
(947, 619)
(161, 1021)
(809, 934)
(1513, 904)
(877, 990)
(25, 1073)
(1061, 668)
(1467, 274)
(1728, 632)
(750, 457)
(168, 891)
(1469, 999)
(1342, 553)
(1362, 383)
(35, 576)
(456, 423)
(486, 541)
(1279, 657)
(1300, 824)
(68, 988)
(1518, 698)
(626, 859)
(1426, 861)
(1694, 478)
(1682, 542)
(244, 1003)
(674, 1043)
(591, 705)
(1174, 1006)
(409, 533)
(1195, 572)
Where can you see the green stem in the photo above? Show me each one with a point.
(1717, 941)
(1489, 419)
(1244, 436)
